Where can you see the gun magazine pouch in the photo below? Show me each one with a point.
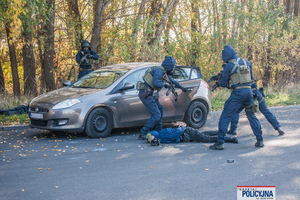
(253, 107)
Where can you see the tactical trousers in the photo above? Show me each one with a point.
(155, 109)
(238, 98)
(263, 108)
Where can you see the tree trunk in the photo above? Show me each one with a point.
(296, 10)
(13, 62)
(194, 33)
(2, 83)
(169, 26)
(29, 81)
(100, 7)
(162, 23)
(135, 30)
(49, 48)
(75, 16)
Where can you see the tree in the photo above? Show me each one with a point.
(49, 47)
(13, 61)
(99, 9)
(2, 83)
(76, 18)
(29, 80)
(162, 23)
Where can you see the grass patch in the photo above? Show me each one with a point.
(285, 96)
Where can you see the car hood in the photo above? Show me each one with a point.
(62, 94)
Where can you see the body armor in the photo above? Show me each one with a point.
(243, 74)
(148, 78)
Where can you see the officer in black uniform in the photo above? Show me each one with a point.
(146, 94)
(84, 58)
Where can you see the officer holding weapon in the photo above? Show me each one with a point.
(156, 78)
(236, 75)
(84, 58)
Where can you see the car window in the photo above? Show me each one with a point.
(186, 73)
(181, 73)
(135, 77)
(99, 79)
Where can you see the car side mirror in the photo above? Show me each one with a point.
(67, 83)
(127, 86)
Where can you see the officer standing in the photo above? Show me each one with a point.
(263, 108)
(84, 58)
(237, 75)
(146, 94)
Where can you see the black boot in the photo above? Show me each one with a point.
(217, 146)
(231, 132)
(259, 143)
(231, 139)
(281, 132)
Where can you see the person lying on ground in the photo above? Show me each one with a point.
(184, 134)
(19, 110)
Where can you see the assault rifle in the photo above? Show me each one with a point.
(171, 88)
(85, 57)
(216, 77)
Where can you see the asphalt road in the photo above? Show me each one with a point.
(39, 164)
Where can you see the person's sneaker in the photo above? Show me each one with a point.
(155, 142)
(142, 136)
(259, 143)
(281, 132)
(231, 132)
(217, 146)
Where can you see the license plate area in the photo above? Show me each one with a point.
(36, 116)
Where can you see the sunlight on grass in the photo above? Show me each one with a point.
(288, 95)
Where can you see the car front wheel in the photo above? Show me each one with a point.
(99, 123)
(196, 115)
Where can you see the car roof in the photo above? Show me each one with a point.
(132, 65)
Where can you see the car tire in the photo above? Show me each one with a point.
(99, 123)
(196, 115)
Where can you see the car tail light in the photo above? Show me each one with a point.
(205, 84)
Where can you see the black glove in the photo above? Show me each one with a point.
(89, 56)
(166, 85)
(184, 89)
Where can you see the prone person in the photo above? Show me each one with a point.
(184, 134)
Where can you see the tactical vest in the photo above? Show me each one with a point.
(243, 74)
(148, 78)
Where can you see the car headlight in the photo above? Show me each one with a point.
(66, 104)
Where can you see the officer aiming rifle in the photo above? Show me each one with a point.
(84, 58)
(171, 87)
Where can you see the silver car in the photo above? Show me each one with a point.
(107, 98)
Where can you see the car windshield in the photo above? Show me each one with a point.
(99, 79)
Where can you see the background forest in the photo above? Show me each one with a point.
(40, 38)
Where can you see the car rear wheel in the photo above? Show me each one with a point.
(196, 115)
(99, 123)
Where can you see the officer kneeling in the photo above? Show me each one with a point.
(237, 75)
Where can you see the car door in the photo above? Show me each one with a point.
(189, 77)
(131, 110)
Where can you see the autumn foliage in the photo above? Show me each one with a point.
(40, 38)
